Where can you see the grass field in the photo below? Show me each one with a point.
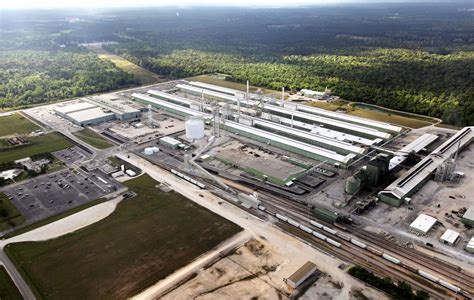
(16, 123)
(145, 76)
(38, 145)
(92, 138)
(8, 214)
(233, 85)
(144, 240)
(8, 289)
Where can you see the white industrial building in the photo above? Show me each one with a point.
(415, 147)
(422, 224)
(449, 237)
(470, 246)
(96, 110)
(84, 113)
(415, 178)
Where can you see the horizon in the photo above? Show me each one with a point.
(105, 4)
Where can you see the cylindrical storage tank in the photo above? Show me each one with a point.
(353, 184)
(194, 128)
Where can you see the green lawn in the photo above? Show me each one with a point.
(9, 215)
(8, 289)
(38, 145)
(147, 238)
(92, 138)
(16, 123)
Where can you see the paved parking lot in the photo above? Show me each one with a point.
(54, 193)
(71, 155)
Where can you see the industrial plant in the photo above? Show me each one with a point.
(343, 183)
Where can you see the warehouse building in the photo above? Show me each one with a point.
(84, 113)
(470, 246)
(303, 273)
(468, 217)
(422, 224)
(120, 107)
(64, 110)
(89, 117)
(169, 142)
(410, 182)
(449, 237)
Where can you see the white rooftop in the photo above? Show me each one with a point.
(469, 214)
(415, 146)
(69, 108)
(449, 236)
(470, 245)
(423, 223)
(170, 140)
(167, 96)
(89, 114)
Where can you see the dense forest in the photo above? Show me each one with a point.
(33, 76)
(414, 57)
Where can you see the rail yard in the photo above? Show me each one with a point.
(347, 186)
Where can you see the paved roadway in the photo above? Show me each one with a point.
(16, 277)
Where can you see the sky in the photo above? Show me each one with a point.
(26, 4)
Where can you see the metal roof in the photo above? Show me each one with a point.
(330, 133)
(406, 183)
(307, 116)
(170, 140)
(169, 105)
(449, 236)
(348, 118)
(214, 87)
(470, 244)
(89, 114)
(423, 223)
(469, 214)
(306, 135)
(292, 143)
(302, 273)
(114, 103)
(415, 146)
(327, 121)
(170, 97)
(70, 108)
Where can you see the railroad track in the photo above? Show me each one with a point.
(377, 264)
(433, 263)
(371, 262)
(455, 277)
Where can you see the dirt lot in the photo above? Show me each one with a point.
(145, 239)
(256, 271)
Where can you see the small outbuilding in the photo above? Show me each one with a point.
(301, 274)
(468, 217)
(449, 237)
(422, 224)
(470, 246)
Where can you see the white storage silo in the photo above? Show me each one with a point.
(194, 128)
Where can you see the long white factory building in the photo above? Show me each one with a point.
(276, 140)
(331, 121)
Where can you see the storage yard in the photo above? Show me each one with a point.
(389, 198)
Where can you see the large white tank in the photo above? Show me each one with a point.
(194, 128)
